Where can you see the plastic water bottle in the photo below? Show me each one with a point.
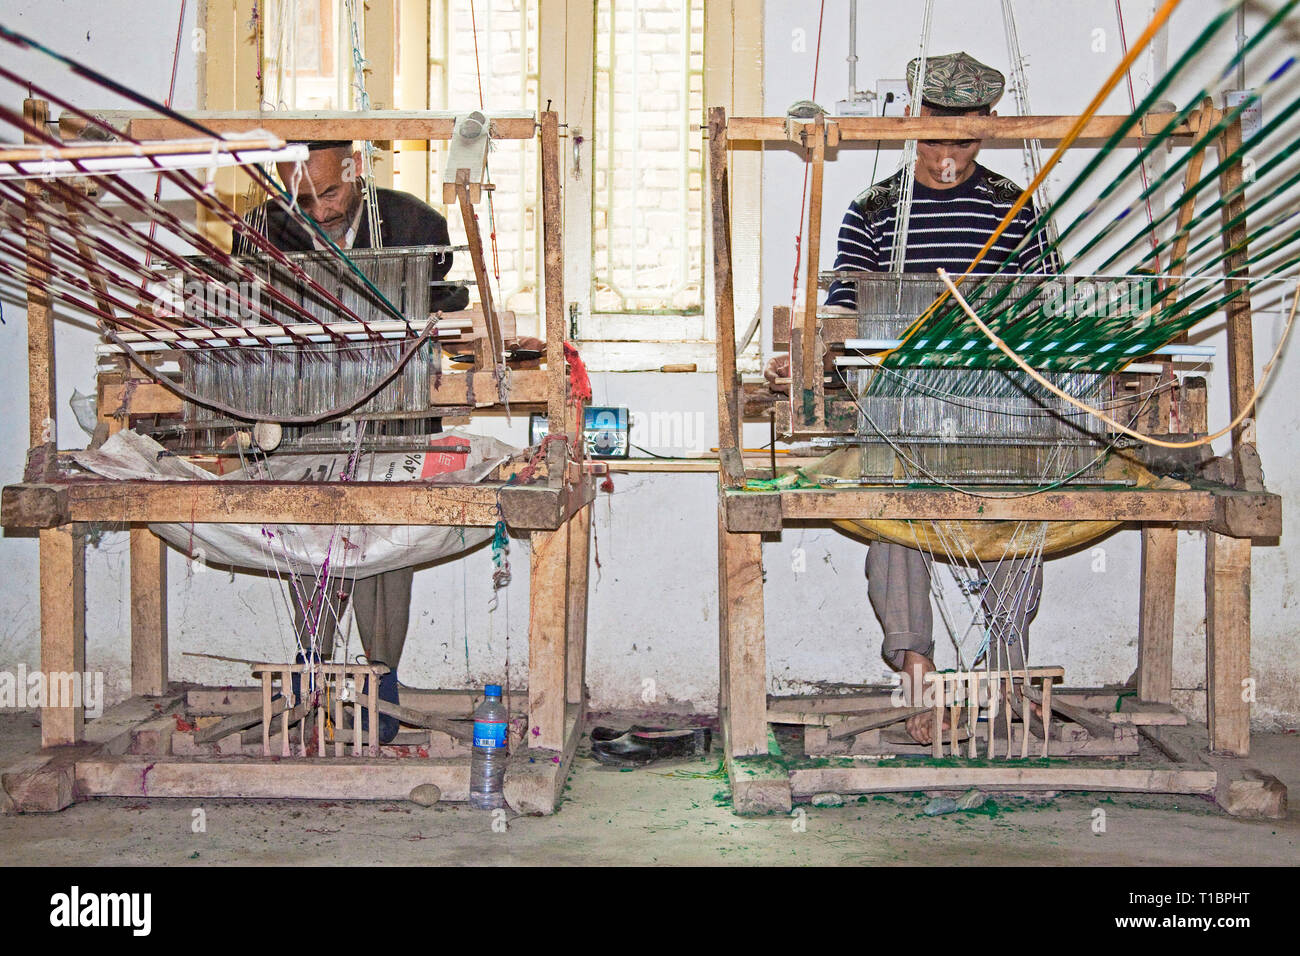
(487, 766)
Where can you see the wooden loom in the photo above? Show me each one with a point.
(1232, 511)
(170, 740)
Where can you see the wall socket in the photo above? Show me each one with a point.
(899, 90)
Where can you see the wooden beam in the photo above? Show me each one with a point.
(475, 242)
(810, 357)
(285, 502)
(148, 613)
(1135, 505)
(742, 644)
(63, 630)
(553, 288)
(33, 506)
(1241, 343)
(997, 132)
(548, 617)
(303, 125)
(1156, 613)
(42, 408)
(1227, 642)
(805, 783)
(305, 778)
(579, 532)
(724, 300)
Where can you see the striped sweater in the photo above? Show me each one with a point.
(946, 229)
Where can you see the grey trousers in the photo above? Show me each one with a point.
(381, 603)
(898, 586)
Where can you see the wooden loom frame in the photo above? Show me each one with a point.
(105, 757)
(1231, 514)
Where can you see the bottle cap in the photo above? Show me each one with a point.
(492, 690)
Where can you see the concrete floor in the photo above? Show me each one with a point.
(671, 814)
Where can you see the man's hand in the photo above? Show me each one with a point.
(778, 367)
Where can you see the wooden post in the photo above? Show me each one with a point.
(553, 267)
(63, 630)
(742, 662)
(1241, 343)
(1156, 613)
(475, 241)
(548, 615)
(42, 408)
(729, 408)
(1227, 642)
(812, 387)
(148, 612)
(579, 532)
(266, 713)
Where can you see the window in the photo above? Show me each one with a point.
(647, 194)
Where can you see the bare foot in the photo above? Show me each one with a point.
(921, 727)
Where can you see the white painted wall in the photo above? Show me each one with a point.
(653, 599)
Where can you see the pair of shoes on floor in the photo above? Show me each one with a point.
(640, 745)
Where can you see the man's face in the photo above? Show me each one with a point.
(329, 188)
(944, 163)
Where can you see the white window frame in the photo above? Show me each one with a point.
(733, 77)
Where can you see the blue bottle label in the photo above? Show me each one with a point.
(490, 734)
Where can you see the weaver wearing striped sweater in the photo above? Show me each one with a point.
(956, 206)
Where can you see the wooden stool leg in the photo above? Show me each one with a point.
(148, 613)
(742, 645)
(63, 629)
(1156, 614)
(1227, 641)
(579, 560)
(266, 713)
(548, 617)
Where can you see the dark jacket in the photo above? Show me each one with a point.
(404, 221)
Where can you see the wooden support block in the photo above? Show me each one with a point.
(758, 788)
(40, 783)
(34, 506)
(310, 778)
(1156, 613)
(534, 779)
(1240, 790)
(753, 511)
(1227, 642)
(63, 629)
(1247, 515)
(805, 783)
(548, 617)
(153, 736)
(742, 643)
(148, 613)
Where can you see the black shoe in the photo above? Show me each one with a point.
(388, 726)
(636, 748)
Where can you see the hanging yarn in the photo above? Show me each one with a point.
(500, 554)
(579, 381)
